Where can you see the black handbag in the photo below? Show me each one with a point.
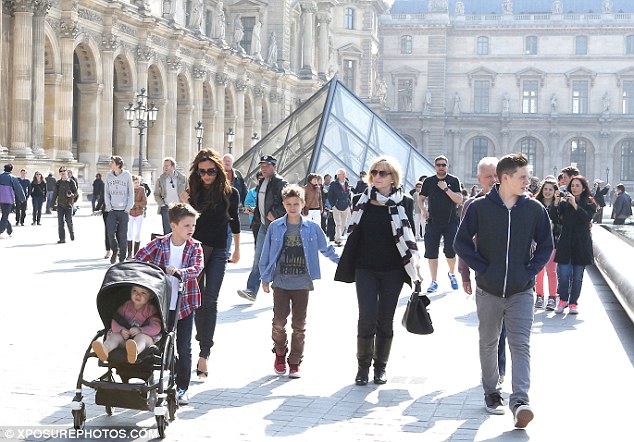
(416, 318)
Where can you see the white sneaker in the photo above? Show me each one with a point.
(183, 397)
(523, 415)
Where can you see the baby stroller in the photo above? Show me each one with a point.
(153, 379)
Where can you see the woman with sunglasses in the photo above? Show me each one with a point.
(38, 196)
(211, 194)
(574, 248)
(379, 256)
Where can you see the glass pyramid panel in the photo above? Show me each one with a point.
(333, 129)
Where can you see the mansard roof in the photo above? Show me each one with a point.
(519, 6)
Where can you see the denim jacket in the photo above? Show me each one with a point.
(313, 241)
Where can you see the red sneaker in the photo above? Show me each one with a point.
(294, 371)
(280, 364)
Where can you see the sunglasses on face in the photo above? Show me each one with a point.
(211, 172)
(381, 173)
(441, 164)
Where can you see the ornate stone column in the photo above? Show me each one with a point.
(22, 70)
(156, 135)
(69, 29)
(308, 11)
(109, 44)
(37, 128)
(184, 131)
(51, 130)
(199, 73)
(144, 56)
(3, 150)
(219, 135)
(240, 139)
(276, 100)
(173, 67)
(323, 23)
(258, 92)
(89, 119)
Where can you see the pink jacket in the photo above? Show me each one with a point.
(138, 317)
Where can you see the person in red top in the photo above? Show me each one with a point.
(180, 255)
(144, 330)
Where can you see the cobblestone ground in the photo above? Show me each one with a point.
(582, 375)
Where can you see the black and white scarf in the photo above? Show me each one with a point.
(401, 228)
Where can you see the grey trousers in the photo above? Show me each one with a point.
(517, 313)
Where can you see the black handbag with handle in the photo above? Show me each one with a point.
(416, 318)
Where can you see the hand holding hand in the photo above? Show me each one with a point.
(125, 333)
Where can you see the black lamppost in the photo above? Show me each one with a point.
(555, 172)
(607, 175)
(230, 135)
(254, 139)
(145, 118)
(199, 133)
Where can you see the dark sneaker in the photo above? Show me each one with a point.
(113, 258)
(523, 415)
(552, 303)
(293, 371)
(539, 302)
(494, 403)
(280, 364)
(247, 294)
(453, 280)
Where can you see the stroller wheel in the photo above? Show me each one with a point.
(109, 410)
(79, 417)
(172, 406)
(161, 424)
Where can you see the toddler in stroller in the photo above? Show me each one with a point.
(136, 324)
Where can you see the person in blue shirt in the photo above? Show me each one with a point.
(290, 263)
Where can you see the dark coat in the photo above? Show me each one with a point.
(339, 197)
(575, 241)
(272, 201)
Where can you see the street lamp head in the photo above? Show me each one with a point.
(230, 135)
(152, 112)
(128, 112)
(200, 130)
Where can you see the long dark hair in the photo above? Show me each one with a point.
(586, 195)
(201, 197)
(540, 193)
(35, 181)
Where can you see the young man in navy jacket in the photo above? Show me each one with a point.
(513, 242)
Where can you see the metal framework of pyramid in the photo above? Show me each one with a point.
(333, 129)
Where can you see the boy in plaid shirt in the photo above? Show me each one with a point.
(179, 254)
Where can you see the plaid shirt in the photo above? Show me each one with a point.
(157, 252)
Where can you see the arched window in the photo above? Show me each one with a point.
(406, 44)
(627, 160)
(349, 18)
(480, 149)
(578, 149)
(528, 146)
(482, 46)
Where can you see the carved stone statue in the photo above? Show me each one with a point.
(238, 33)
(196, 18)
(381, 91)
(427, 102)
(554, 104)
(256, 42)
(607, 6)
(271, 54)
(459, 8)
(220, 27)
(169, 9)
(506, 103)
(437, 5)
(605, 101)
(558, 7)
(456, 104)
(507, 6)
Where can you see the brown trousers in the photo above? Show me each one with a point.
(285, 301)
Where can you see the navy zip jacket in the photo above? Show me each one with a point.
(511, 245)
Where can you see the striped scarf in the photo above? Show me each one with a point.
(401, 228)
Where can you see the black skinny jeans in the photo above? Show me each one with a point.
(377, 296)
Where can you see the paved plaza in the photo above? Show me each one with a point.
(582, 371)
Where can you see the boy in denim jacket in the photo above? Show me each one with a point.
(290, 263)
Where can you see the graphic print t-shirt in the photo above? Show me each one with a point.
(291, 272)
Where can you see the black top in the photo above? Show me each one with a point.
(377, 249)
(211, 227)
(442, 209)
(38, 190)
(98, 186)
(575, 242)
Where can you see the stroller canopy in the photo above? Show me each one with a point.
(115, 289)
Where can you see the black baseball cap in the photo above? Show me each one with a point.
(268, 159)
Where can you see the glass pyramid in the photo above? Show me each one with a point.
(333, 129)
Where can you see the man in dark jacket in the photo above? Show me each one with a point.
(20, 207)
(268, 208)
(599, 197)
(11, 193)
(63, 201)
(505, 224)
(340, 197)
(50, 188)
(622, 209)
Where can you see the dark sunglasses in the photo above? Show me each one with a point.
(211, 172)
(172, 182)
(441, 164)
(381, 173)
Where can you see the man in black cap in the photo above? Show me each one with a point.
(268, 207)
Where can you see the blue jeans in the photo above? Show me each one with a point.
(64, 213)
(93, 200)
(5, 223)
(229, 241)
(569, 281)
(117, 230)
(165, 218)
(49, 200)
(210, 282)
(516, 313)
(184, 349)
(253, 283)
(37, 202)
(377, 296)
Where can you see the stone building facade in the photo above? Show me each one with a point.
(70, 67)
(556, 84)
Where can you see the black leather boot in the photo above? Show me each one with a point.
(381, 355)
(365, 350)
